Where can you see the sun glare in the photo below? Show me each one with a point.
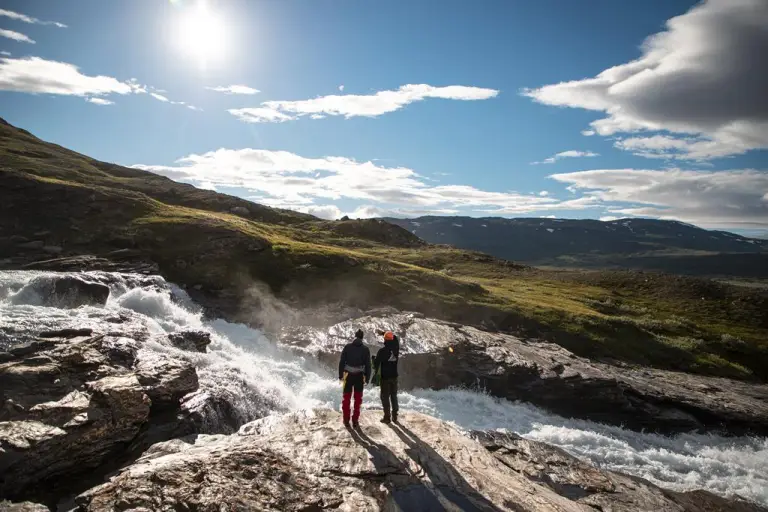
(201, 34)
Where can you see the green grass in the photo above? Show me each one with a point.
(637, 318)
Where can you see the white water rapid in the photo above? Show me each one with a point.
(257, 377)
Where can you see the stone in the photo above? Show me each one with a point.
(195, 341)
(72, 407)
(309, 461)
(165, 380)
(436, 354)
(63, 291)
(66, 333)
(27, 506)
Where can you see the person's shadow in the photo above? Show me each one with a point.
(407, 490)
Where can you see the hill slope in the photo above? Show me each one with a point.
(57, 204)
(668, 246)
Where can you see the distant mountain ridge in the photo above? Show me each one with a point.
(636, 243)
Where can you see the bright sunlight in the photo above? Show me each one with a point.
(201, 34)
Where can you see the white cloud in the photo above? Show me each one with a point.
(159, 97)
(341, 87)
(16, 36)
(7, 54)
(28, 19)
(356, 105)
(285, 179)
(36, 75)
(543, 193)
(609, 218)
(734, 198)
(567, 154)
(260, 115)
(192, 107)
(705, 76)
(99, 101)
(234, 89)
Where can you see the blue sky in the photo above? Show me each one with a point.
(408, 108)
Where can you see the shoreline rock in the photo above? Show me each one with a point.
(438, 355)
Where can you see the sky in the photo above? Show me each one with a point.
(592, 109)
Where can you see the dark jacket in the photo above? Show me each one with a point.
(386, 359)
(355, 358)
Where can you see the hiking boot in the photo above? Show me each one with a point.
(356, 425)
(394, 417)
(386, 419)
(346, 423)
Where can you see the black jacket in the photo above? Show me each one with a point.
(355, 355)
(386, 359)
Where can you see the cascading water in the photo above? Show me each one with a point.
(256, 377)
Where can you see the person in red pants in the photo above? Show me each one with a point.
(354, 372)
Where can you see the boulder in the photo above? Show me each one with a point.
(27, 506)
(195, 341)
(436, 354)
(70, 406)
(309, 461)
(62, 291)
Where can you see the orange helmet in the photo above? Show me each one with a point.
(389, 336)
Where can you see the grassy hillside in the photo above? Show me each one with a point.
(71, 204)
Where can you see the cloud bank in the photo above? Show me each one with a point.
(705, 76)
(358, 105)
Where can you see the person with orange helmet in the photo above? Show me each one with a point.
(385, 362)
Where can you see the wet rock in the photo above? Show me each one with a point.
(64, 291)
(587, 485)
(166, 380)
(438, 355)
(71, 406)
(66, 333)
(195, 341)
(309, 461)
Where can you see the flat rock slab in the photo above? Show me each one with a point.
(309, 461)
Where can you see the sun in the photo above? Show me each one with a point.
(201, 34)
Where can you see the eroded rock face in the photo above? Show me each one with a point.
(438, 354)
(309, 461)
(70, 405)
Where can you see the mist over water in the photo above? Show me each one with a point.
(250, 371)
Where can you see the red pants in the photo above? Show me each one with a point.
(354, 382)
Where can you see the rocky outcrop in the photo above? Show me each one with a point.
(63, 292)
(7, 506)
(600, 490)
(309, 461)
(195, 341)
(438, 355)
(68, 406)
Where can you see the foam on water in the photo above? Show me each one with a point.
(255, 375)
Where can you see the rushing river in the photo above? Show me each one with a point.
(247, 369)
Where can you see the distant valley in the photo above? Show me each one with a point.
(644, 244)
